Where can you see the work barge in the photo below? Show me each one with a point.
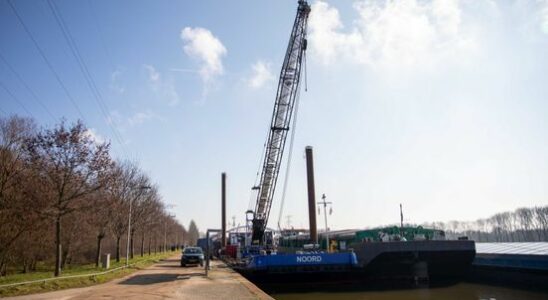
(353, 256)
(410, 254)
(263, 255)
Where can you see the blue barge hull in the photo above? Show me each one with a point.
(308, 267)
(302, 262)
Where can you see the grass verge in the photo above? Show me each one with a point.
(137, 262)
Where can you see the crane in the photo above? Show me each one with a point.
(288, 87)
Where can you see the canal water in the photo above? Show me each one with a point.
(459, 291)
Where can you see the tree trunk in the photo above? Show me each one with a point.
(3, 268)
(98, 253)
(66, 255)
(118, 248)
(57, 246)
(131, 244)
(25, 266)
(149, 244)
(143, 245)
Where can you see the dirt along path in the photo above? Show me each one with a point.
(166, 280)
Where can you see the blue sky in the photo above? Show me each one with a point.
(439, 105)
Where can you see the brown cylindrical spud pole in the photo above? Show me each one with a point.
(223, 212)
(311, 195)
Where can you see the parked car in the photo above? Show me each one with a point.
(192, 255)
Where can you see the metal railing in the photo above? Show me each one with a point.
(44, 280)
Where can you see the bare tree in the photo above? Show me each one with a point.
(72, 165)
(61, 196)
(148, 207)
(541, 217)
(522, 225)
(125, 188)
(15, 216)
(100, 219)
(193, 233)
(525, 217)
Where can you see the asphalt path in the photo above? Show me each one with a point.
(166, 280)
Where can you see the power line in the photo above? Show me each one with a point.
(85, 70)
(100, 34)
(48, 63)
(16, 99)
(33, 94)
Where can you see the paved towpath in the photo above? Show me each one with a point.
(166, 280)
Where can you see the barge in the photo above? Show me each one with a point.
(415, 253)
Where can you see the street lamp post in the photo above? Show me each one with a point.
(325, 214)
(141, 188)
(170, 216)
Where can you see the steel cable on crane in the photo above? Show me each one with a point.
(292, 140)
(252, 198)
(290, 154)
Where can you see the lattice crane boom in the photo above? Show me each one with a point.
(288, 87)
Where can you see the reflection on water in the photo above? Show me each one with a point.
(460, 291)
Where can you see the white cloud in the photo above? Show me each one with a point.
(165, 88)
(390, 33)
(543, 15)
(139, 118)
(117, 120)
(114, 117)
(202, 45)
(261, 75)
(153, 75)
(92, 134)
(115, 81)
(126, 121)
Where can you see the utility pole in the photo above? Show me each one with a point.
(141, 189)
(169, 216)
(325, 215)
(165, 235)
(401, 221)
(177, 240)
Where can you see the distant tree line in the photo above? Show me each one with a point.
(64, 200)
(526, 224)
